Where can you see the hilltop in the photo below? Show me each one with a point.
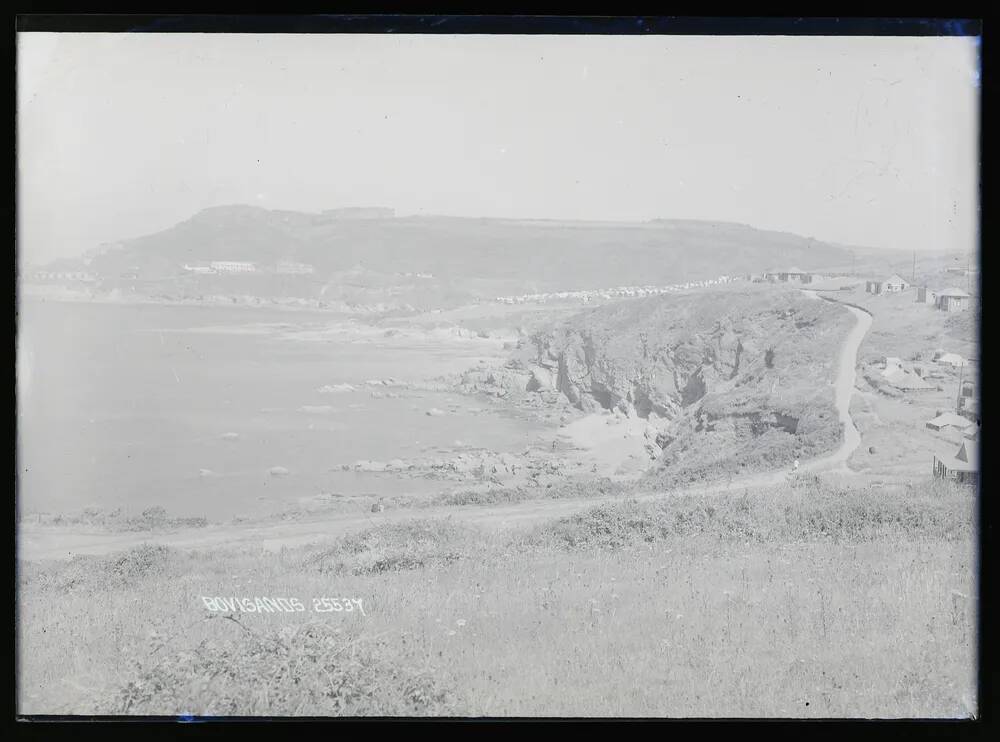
(479, 258)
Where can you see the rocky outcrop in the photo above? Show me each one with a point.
(644, 359)
(526, 469)
(732, 369)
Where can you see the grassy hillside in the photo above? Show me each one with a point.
(805, 601)
(514, 255)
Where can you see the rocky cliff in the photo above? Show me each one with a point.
(732, 379)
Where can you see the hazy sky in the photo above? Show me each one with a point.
(868, 141)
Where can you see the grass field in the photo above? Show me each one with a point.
(805, 601)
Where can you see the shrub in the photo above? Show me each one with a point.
(125, 568)
(395, 547)
(310, 669)
(806, 510)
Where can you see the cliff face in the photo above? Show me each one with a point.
(747, 373)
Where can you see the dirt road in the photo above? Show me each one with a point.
(37, 542)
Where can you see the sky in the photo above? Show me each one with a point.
(856, 140)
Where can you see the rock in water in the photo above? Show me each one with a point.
(278, 471)
(434, 412)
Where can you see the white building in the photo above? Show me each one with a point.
(198, 268)
(232, 266)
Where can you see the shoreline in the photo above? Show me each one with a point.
(606, 441)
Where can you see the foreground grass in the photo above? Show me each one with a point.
(800, 602)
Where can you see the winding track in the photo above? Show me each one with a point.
(59, 542)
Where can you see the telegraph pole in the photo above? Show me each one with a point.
(958, 400)
(913, 275)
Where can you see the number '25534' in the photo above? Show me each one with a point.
(336, 605)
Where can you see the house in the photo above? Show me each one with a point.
(891, 363)
(950, 359)
(793, 274)
(927, 295)
(953, 300)
(968, 407)
(232, 266)
(199, 268)
(948, 420)
(963, 467)
(906, 381)
(926, 371)
(891, 285)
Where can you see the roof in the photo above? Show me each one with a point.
(948, 418)
(966, 459)
(953, 358)
(953, 292)
(954, 464)
(906, 380)
(969, 453)
(895, 278)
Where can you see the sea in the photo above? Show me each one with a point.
(190, 407)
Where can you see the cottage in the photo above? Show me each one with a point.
(926, 371)
(906, 381)
(962, 467)
(200, 268)
(950, 359)
(926, 295)
(793, 274)
(948, 420)
(953, 300)
(968, 407)
(890, 364)
(891, 285)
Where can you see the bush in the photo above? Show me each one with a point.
(395, 547)
(602, 487)
(804, 511)
(310, 669)
(123, 569)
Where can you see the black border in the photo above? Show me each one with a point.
(48, 727)
(472, 23)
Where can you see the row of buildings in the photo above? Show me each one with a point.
(619, 292)
(789, 275)
(84, 276)
(282, 267)
(948, 299)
